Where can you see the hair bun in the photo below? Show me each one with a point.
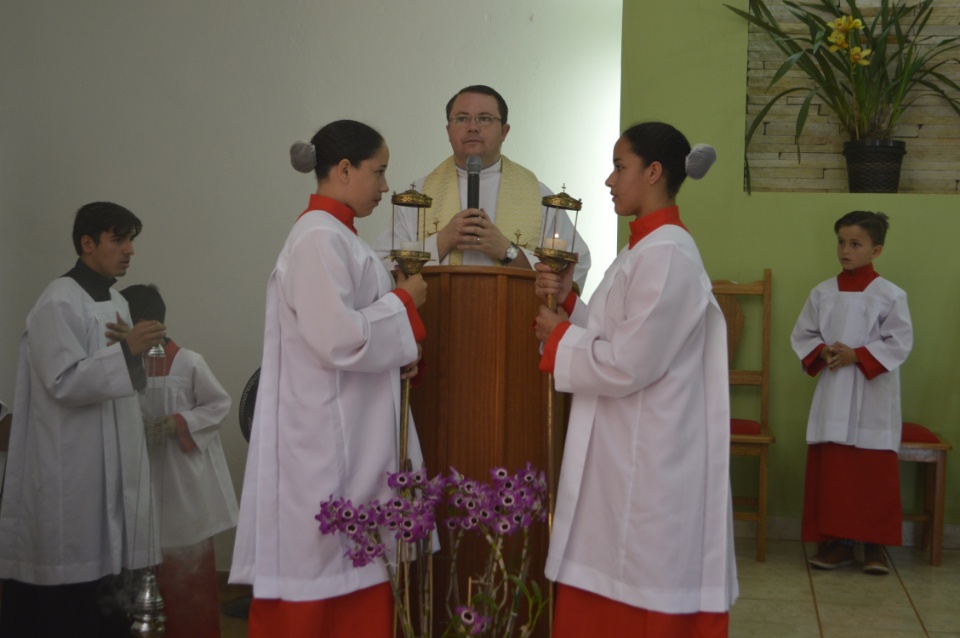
(303, 156)
(700, 159)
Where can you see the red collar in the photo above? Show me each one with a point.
(643, 226)
(856, 280)
(341, 211)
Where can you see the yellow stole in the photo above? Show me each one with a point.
(519, 214)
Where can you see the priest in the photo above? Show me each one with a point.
(506, 225)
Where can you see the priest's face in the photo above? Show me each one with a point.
(110, 256)
(855, 248)
(475, 128)
(368, 182)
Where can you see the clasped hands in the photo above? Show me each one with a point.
(140, 338)
(838, 355)
(471, 229)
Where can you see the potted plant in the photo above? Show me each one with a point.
(867, 69)
(502, 602)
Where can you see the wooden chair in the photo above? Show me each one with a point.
(750, 437)
(920, 445)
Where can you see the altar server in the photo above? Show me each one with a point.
(328, 408)
(642, 541)
(76, 503)
(191, 479)
(854, 332)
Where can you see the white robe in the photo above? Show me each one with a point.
(327, 413)
(195, 491)
(76, 506)
(644, 509)
(847, 407)
(405, 228)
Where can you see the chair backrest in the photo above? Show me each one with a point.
(729, 294)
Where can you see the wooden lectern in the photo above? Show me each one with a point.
(483, 402)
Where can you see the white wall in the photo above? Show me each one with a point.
(183, 111)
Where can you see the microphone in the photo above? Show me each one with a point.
(474, 165)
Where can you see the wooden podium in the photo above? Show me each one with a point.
(483, 402)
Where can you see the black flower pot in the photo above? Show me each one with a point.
(873, 166)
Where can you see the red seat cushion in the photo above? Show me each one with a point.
(916, 433)
(744, 426)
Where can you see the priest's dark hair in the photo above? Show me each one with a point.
(660, 142)
(875, 224)
(483, 90)
(145, 302)
(99, 217)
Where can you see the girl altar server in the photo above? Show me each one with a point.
(642, 540)
(326, 419)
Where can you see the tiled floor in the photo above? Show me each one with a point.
(783, 598)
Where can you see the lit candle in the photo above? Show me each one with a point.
(556, 243)
(410, 245)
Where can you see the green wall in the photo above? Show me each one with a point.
(684, 62)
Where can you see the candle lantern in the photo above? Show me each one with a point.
(553, 250)
(411, 256)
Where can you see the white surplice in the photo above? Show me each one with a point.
(404, 227)
(76, 505)
(196, 494)
(643, 511)
(327, 413)
(847, 407)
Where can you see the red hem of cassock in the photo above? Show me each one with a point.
(367, 612)
(581, 613)
(851, 493)
(188, 585)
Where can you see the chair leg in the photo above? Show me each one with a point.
(762, 508)
(929, 477)
(936, 545)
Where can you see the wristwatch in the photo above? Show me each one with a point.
(513, 251)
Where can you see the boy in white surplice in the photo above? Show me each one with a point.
(855, 332)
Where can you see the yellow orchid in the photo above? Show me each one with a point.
(865, 69)
(845, 24)
(859, 56)
(838, 40)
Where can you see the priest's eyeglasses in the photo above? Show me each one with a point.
(483, 120)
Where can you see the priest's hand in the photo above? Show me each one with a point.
(553, 283)
(547, 320)
(459, 231)
(484, 236)
(415, 286)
